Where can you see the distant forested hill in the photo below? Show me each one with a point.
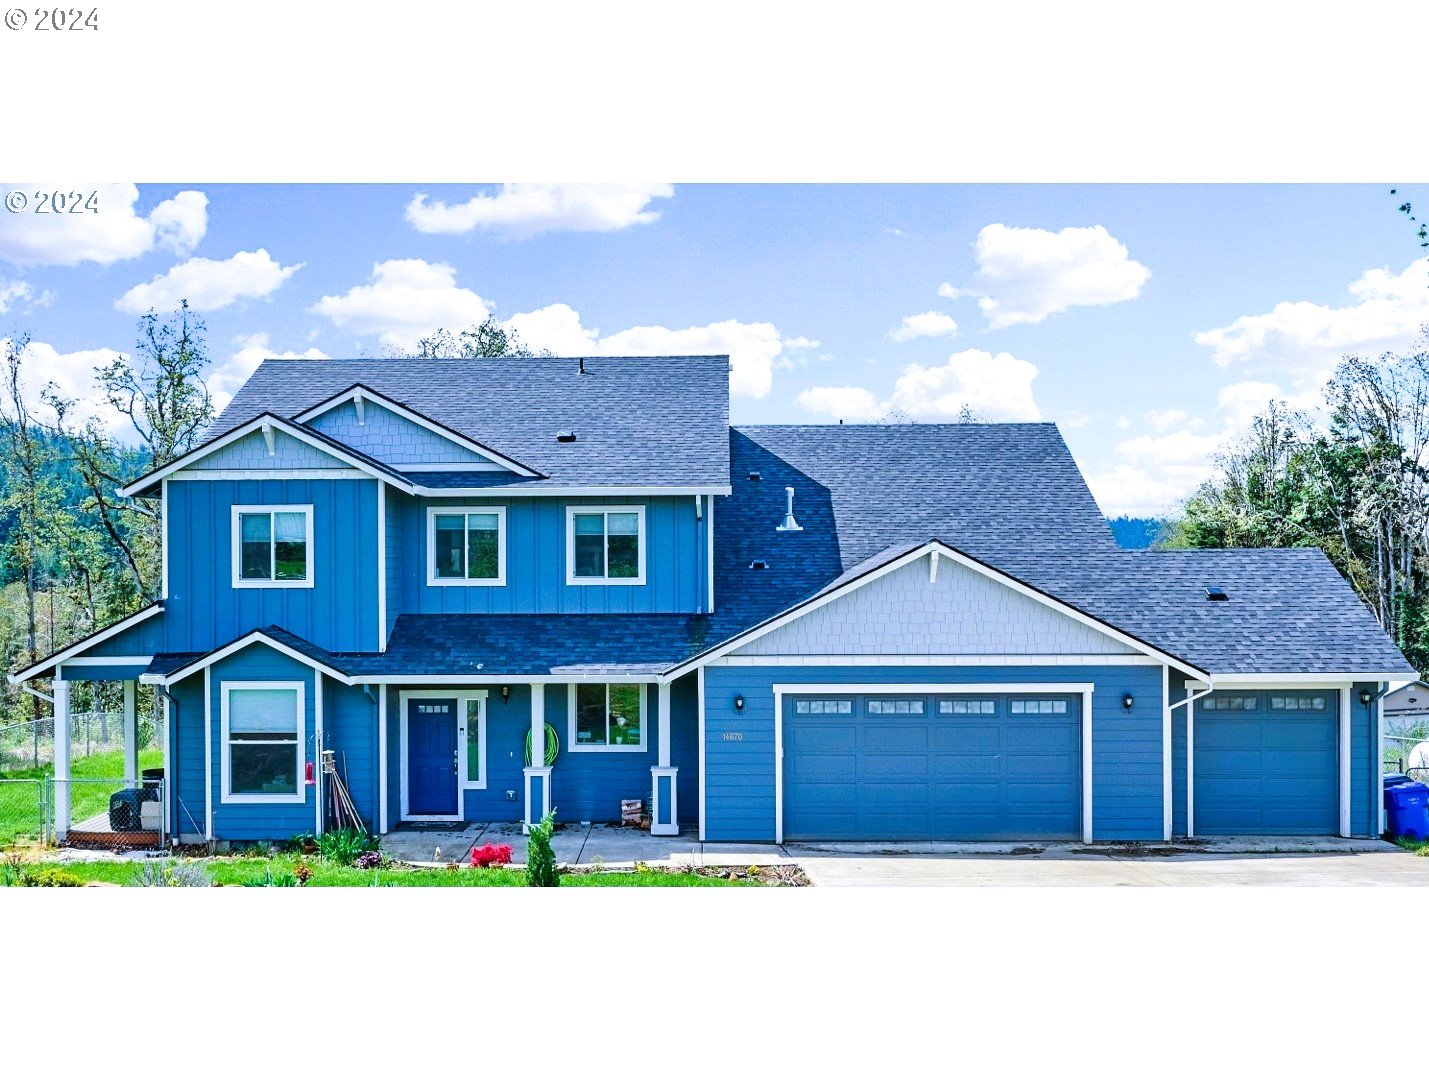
(1135, 533)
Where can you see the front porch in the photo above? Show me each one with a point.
(578, 844)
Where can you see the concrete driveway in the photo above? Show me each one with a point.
(1056, 867)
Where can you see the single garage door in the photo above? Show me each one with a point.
(932, 767)
(1267, 764)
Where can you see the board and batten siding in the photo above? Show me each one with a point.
(675, 560)
(204, 610)
(350, 733)
(1126, 744)
(186, 768)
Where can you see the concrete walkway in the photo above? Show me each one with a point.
(1219, 861)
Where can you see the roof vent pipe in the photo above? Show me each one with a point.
(789, 525)
(580, 367)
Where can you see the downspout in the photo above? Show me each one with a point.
(1190, 757)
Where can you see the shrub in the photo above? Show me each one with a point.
(483, 855)
(172, 874)
(12, 874)
(271, 880)
(302, 874)
(343, 846)
(540, 856)
(368, 861)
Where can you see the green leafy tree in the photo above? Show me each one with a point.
(540, 855)
(490, 338)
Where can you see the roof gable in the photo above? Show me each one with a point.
(401, 436)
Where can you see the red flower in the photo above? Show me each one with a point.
(483, 855)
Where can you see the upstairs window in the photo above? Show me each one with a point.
(466, 546)
(272, 546)
(605, 546)
(607, 717)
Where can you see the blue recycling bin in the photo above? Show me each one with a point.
(1406, 810)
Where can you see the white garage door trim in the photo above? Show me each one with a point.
(1084, 689)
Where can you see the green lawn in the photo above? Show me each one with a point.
(1418, 847)
(234, 870)
(19, 803)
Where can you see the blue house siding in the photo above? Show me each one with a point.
(251, 452)
(1126, 745)
(204, 610)
(186, 751)
(675, 560)
(350, 732)
(145, 638)
(260, 821)
(392, 546)
(392, 438)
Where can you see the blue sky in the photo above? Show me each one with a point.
(1150, 322)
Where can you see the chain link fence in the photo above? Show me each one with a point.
(30, 745)
(104, 812)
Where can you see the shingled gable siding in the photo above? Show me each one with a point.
(964, 612)
(1126, 745)
(392, 438)
(675, 560)
(204, 610)
(251, 452)
(585, 787)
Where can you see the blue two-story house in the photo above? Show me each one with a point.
(490, 588)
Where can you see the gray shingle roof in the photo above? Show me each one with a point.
(638, 420)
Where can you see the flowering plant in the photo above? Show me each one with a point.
(368, 861)
(491, 855)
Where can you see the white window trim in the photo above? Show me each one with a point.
(433, 512)
(576, 748)
(462, 783)
(603, 581)
(239, 581)
(298, 687)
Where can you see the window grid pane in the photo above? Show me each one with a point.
(473, 739)
(967, 706)
(895, 706)
(590, 714)
(589, 553)
(1039, 706)
(256, 532)
(823, 706)
(483, 546)
(625, 714)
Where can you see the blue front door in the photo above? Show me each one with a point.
(431, 757)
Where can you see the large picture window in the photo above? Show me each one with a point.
(262, 739)
(272, 546)
(607, 717)
(466, 546)
(605, 546)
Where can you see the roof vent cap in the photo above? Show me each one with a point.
(789, 525)
(565, 436)
(1215, 594)
(759, 563)
(754, 474)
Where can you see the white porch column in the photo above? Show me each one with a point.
(131, 734)
(664, 821)
(61, 817)
(538, 774)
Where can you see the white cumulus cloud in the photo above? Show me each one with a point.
(924, 325)
(406, 300)
(524, 210)
(116, 231)
(1026, 274)
(752, 347)
(15, 292)
(1307, 339)
(209, 284)
(227, 375)
(71, 375)
(991, 386)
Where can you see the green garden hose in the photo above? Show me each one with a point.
(553, 746)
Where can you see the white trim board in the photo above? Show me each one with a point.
(547, 489)
(935, 660)
(268, 424)
(459, 697)
(1083, 688)
(239, 644)
(367, 394)
(933, 547)
(68, 653)
(1305, 680)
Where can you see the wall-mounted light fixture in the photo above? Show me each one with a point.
(739, 702)
(1128, 701)
(506, 693)
(1366, 696)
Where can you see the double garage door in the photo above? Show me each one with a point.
(1267, 763)
(932, 767)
